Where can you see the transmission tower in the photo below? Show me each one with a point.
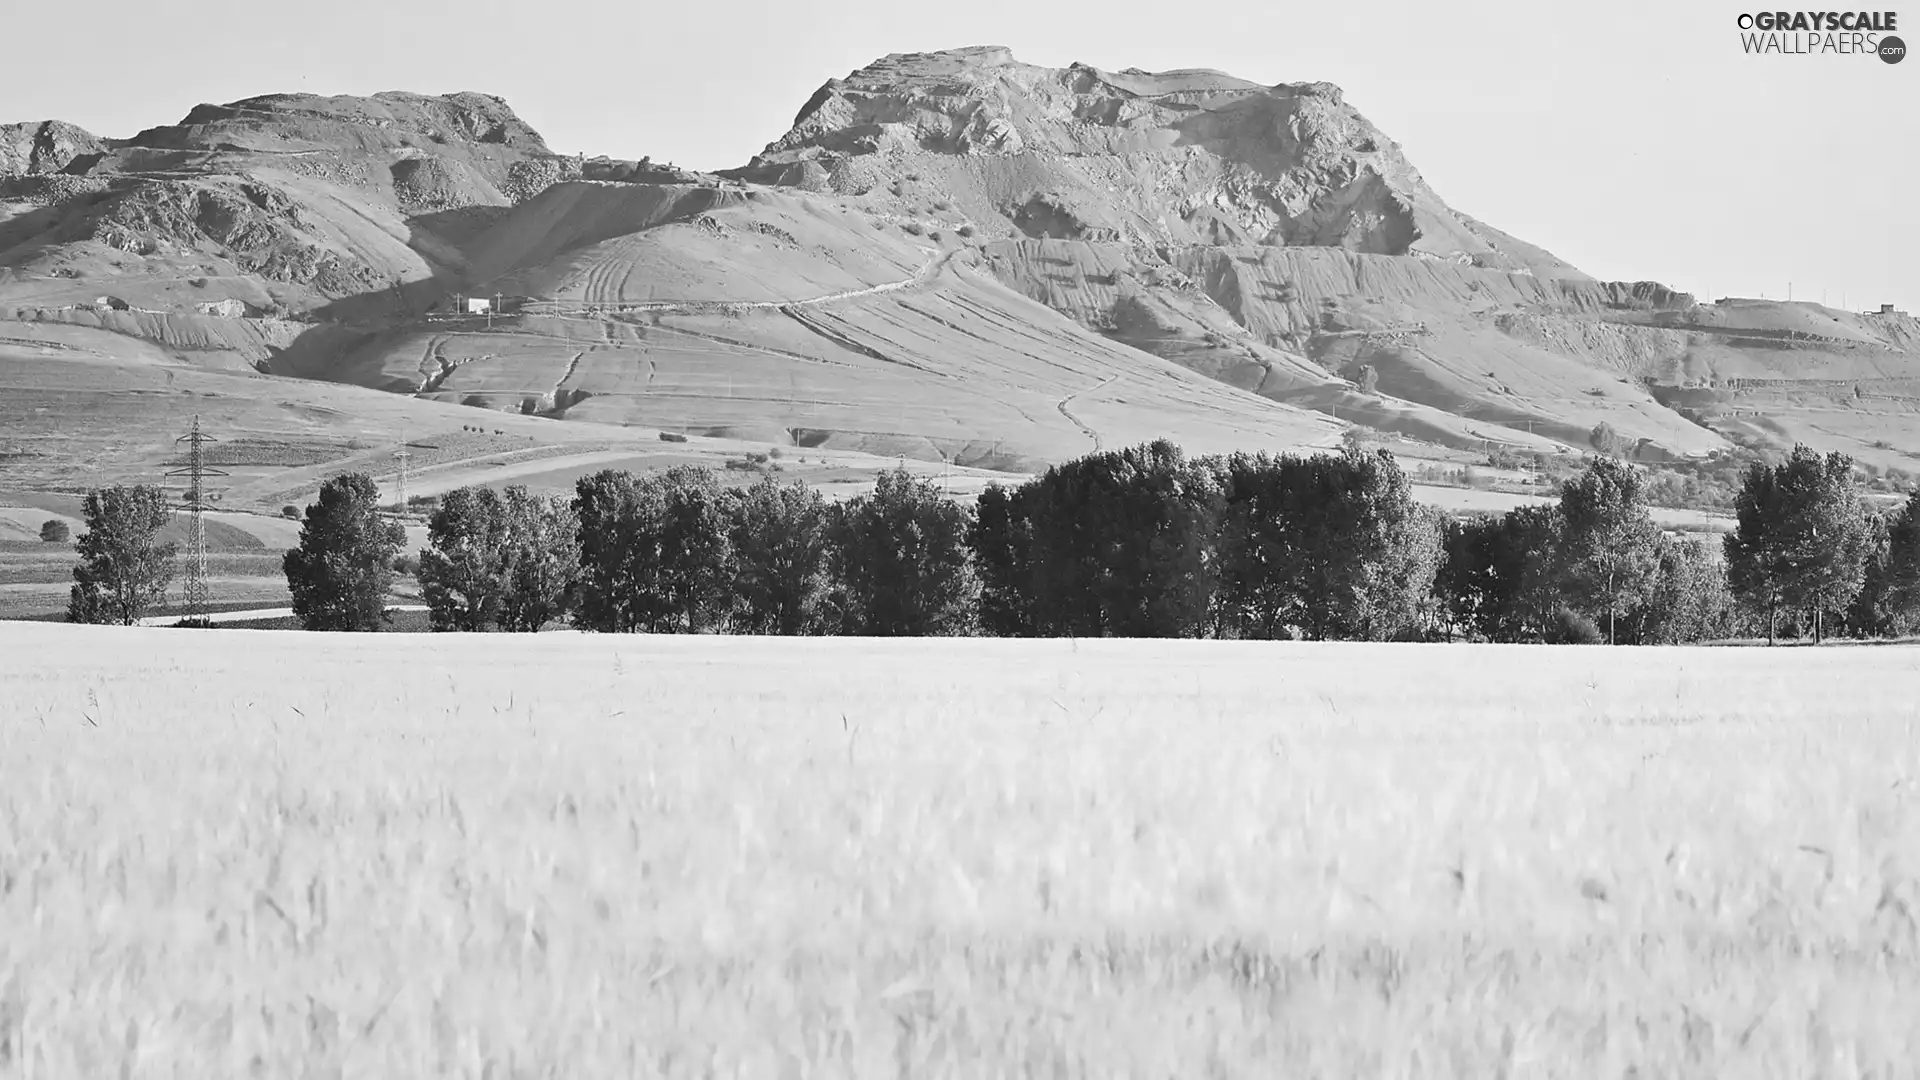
(403, 455)
(193, 589)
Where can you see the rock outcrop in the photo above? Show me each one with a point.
(1131, 156)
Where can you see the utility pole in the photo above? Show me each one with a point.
(194, 590)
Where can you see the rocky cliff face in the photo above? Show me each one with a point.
(44, 147)
(316, 199)
(1131, 156)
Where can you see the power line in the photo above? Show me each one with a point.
(194, 589)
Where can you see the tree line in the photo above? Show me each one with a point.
(1136, 542)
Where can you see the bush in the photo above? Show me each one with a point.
(912, 228)
(776, 452)
(965, 231)
(290, 512)
(668, 436)
(55, 531)
(406, 565)
(1569, 627)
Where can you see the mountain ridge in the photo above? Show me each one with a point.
(953, 255)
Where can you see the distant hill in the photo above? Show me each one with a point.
(953, 257)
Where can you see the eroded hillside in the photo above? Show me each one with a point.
(953, 256)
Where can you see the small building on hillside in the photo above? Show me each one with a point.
(478, 305)
(110, 303)
(1888, 310)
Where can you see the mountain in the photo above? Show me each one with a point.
(953, 257)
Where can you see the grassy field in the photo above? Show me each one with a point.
(225, 852)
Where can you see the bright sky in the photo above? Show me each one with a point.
(1633, 139)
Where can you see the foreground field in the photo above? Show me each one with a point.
(593, 856)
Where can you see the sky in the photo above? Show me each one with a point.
(1633, 139)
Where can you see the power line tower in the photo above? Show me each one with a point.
(193, 590)
(403, 455)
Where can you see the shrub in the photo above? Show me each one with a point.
(912, 228)
(775, 452)
(966, 230)
(668, 436)
(290, 512)
(1569, 627)
(55, 531)
(406, 565)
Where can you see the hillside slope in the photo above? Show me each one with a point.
(953, 256)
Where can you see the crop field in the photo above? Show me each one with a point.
(231, 853)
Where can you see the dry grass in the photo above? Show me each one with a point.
(582, 856)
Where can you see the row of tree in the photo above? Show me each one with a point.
(1139, 542)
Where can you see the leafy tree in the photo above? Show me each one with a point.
(779, 537)
(1801, 539)
(124, 571)
(1609, 545)
(1901, 568)
(463, 572)
(1499, 579)
(341, 572)
(1331, 546)
(55, 531)
(1872, 614)
(612, 594)
(1606, 440)
(544, 544)
(1001, 540)
(1688, 601)
(655, 553)
(1118, 544)
(899, 562)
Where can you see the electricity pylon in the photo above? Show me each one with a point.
(194, 591)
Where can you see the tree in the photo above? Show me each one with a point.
(1000, 538)
(779, 537)
(899, 562)
(545, 560)
(124, 571)
(1609, 545)
(1500, 579)
(1331, 546)
(55, 531)
(610, 597)
(1801, 538)
(1688, 601)
(341, 572)
(1117, 544)
(655, 553)
(1902, 568)
(1606, 440)
(463, 572)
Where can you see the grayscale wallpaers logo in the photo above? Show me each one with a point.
(1822, 33)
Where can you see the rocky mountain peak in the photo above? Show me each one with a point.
(1183, 156)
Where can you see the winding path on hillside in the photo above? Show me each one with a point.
(932, 268)
(1084, 429)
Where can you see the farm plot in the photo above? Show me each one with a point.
(583, 855)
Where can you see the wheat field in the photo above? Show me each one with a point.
(234, 853)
